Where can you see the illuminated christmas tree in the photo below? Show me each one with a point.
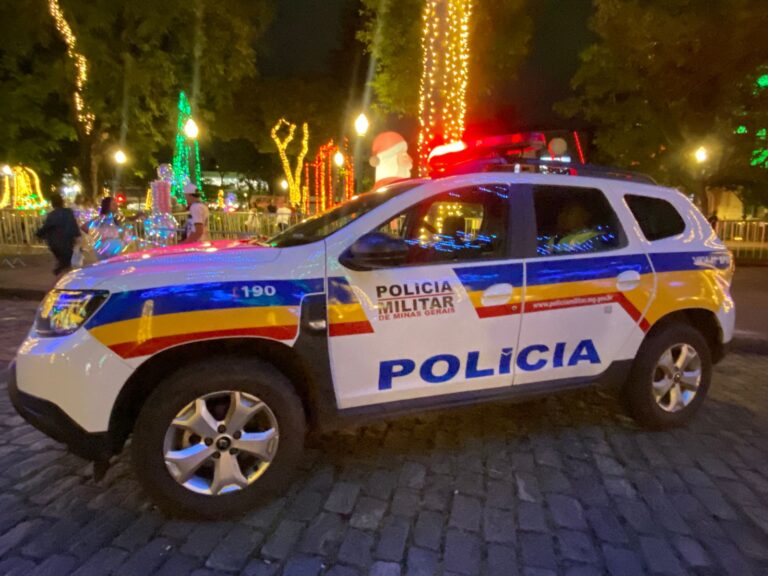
(186, 141)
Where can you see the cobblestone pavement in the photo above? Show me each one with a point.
(561, 486)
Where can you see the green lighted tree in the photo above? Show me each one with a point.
(186, 150)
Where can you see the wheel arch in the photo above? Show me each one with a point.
(155, 369)
(703, 320)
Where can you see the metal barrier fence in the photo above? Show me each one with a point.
(748, 239)
(17, 228)
(742, 231)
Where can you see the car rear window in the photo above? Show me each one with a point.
(658, 219)
(573, 220)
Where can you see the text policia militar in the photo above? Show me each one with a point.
(414, 300)
(446, 367)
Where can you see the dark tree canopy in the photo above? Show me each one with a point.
(668, 76)
(35, 124)
(141, 53)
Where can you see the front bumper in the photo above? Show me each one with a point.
(51, 420)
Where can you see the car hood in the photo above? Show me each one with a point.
(182, 264)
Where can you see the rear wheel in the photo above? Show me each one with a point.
(670, 377)
(217, 437)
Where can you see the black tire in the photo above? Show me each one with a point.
(251, 376)
(638, 392)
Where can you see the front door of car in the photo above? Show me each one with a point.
(587, 288)
(427, 302)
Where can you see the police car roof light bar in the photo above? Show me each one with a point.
(563, 168)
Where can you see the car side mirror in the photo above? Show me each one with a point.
(373, 251)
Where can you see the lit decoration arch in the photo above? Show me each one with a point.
(445, 74)
(292, 176)
(325, 179)
(21, 190)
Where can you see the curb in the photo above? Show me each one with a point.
(751, 263)
(23, 293)
(749, 345)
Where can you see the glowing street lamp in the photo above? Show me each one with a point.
(120, 158)
(362, 124)
(338, 159)
(191, 129)
(284, 184)
(701, 155)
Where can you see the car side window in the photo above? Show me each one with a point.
(657, 218)
(465, 224)
(571, 220)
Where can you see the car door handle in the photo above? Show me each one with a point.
(628, 280)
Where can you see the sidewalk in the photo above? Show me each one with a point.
(27, 275)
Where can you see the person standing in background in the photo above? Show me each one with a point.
(197, 223)
(60, 232)
(284, 215)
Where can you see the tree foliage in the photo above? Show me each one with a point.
(34, 122)
(500, 34)
(668, 76)
(141, 53)
(260, 103)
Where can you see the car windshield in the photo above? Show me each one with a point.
(322, 225)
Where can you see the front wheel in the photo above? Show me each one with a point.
(670, 377)
(218, 437)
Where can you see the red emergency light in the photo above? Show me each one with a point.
(464, 157)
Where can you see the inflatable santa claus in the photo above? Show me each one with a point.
(390, 158)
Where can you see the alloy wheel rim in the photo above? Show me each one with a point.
(221, 442)
(677, 378)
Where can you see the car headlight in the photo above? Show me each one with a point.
(64, 311)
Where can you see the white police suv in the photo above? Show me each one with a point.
(216, 358)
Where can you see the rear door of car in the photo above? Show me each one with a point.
(589, 283)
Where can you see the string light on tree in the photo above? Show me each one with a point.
(327, 181)
(84, 116)
(186, 139)
(445, 73)
(292, 177)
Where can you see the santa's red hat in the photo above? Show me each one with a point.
(385, 141)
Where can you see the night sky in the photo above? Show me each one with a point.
(302, 37)
(306, 32)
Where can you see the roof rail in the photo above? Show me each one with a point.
(566, 168)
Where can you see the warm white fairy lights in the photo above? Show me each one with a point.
(84, 116)
(293, 178)
(445, 72)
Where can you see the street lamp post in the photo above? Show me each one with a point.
(191, 130)
(120, 159)
(701, 155)
(362, 124)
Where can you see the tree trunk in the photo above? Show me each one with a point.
(704, 199)
(85, 165)
(95, 163)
